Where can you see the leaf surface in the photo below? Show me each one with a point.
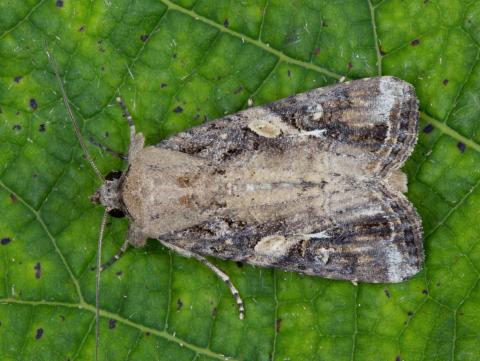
(178, 64)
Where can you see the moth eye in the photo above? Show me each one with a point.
(114, 174)
(116, 213)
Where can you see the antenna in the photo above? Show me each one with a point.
(78, 134)
(54, 66)
(97, 284)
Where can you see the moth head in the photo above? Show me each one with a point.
(109, 195)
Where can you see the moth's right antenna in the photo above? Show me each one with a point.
(97, 284)
(54, 66)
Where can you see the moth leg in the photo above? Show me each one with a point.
(136, 139)
(128, 117)
(222, 275)
(135, 237)
(116, 256)
(116, 154)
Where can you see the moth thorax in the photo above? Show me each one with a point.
(109, 195)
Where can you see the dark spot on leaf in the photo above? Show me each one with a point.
(226, 23)
(178, 109)
(144, 37)
(238, 90)
(39, 334)
(398, 358)
(428, 128)
(17, 113)
(214, 312)
(205, 118)
(316, 51)
(163, 85)
(289, 73)
(382, 52)
(62, 317)
(112, 324)
(17, 127)
(415, 42)
(38, 270)
(59, 3)
(278, 324)
(387, 293)
(239, 264)
(179, 304)
(119, 273)
(174, 55)
(33, 104)
(17, 79)
(41, 127)
(324, 24)
(461, 146)
(350, 65)
(81, 28)
(445, 82)
(13, 198)
(425, 292)
(5, 241)
(147, 333)
(410, 313)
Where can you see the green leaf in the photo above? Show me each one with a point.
(210, 58)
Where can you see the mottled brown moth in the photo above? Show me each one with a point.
(309, 184)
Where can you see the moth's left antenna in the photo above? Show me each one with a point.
(54, 66)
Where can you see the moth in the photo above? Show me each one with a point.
(309, 184)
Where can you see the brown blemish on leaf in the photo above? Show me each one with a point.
(415, 42)
(278, 324)
(316, 51)
(13, 198)
(33, 104)
(38, 270)
(5, 241)
(428, 128)
(238, 90)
